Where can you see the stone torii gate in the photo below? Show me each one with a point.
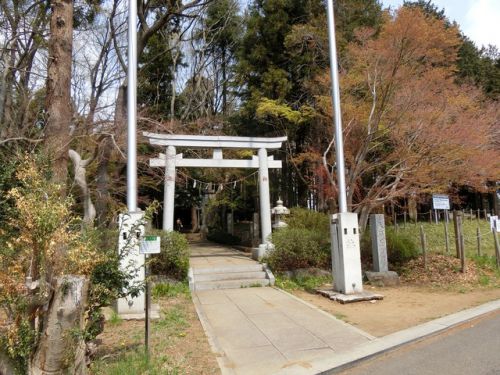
(171, 160)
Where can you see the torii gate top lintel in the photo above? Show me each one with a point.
(214, 141)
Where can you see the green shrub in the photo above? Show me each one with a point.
(223, 238)
(365, 245)
(173, 261)
(304, 243)
(306, 219)
(401, 246)
(296, 248)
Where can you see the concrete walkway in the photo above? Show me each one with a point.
(209, 255)
(268, 331)
(265, 330)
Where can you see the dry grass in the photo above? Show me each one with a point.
(178, 343)
(444, 270)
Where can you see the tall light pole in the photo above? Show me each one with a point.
(339, 143)
(131, 224)
(346, 259)
(132, 108)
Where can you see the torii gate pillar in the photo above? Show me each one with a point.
(169, 190)
(265, 206)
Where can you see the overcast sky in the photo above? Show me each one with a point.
(478, 19)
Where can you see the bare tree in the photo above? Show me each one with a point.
(58, 96)
(23, 26)
(213, 44)
(152, 19)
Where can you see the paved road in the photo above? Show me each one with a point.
(470, 349)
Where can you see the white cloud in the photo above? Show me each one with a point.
(482, 22)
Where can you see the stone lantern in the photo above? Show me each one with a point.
(278, 212)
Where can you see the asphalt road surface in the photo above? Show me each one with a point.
(472, 348)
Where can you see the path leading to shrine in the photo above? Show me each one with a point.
(263, 330)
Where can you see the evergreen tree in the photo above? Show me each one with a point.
(223, 26)
(429, 9)
(155, 77)
(480, 67)
(477, 66)
(158, 64)
(353, 14)
(284, 48)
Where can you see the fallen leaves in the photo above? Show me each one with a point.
(443, 269)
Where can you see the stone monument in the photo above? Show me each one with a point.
(380, 275)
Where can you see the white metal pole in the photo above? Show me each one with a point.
(339, 144)
(132, 108)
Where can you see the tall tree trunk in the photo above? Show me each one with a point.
(363, 217)
(60, 350)
(104, 157)
(195, 227)
(224, 82)
(412, 207)
(4, 87)
(58, 99)
(7, 366)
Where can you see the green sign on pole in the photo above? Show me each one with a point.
(150, 245)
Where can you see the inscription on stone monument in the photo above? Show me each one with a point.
(379, 246)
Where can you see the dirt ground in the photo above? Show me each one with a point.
(402, 307)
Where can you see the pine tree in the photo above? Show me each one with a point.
(223, 25)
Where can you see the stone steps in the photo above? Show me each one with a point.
(230, 277)
(228, 269)
(230, 284)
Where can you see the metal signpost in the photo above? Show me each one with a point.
(339, 142)
(132, 108)
(344, 228)
(148, 245)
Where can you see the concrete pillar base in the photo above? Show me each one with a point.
(260, 252)
(154, 314)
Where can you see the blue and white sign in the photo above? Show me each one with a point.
(440, 202)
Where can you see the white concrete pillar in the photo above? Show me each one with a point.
(346, 259)
(265, 204)
(169, 190)
(131, 227)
